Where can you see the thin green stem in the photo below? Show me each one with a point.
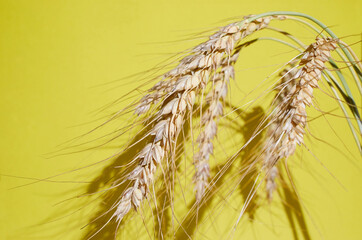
(355, 71)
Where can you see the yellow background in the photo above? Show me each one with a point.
(53, 53)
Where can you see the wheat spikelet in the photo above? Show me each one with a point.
(289, 116)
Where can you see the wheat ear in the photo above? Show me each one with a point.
(228, 36)
(284, 88)
(164, 133)
(214, 109)
(289, 117)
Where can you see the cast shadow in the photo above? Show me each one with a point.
(291, 203)
(162, 215)
(252, 120)
(109, 176)
(109, 196)
(293, 209)
(190, 224)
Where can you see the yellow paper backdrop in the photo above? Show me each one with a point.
(55, 54)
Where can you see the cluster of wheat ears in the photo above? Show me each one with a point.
(200, 83)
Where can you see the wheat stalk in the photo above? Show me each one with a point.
(214, 110)
(164, 134)
(218, 92)
(289, 117)
(284, 88)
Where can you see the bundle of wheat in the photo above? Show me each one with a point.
(208, 68)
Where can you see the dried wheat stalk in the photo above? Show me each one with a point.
(214, 109)
(178, 91)
(289, 117)
(284, 88)
(216, 95)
